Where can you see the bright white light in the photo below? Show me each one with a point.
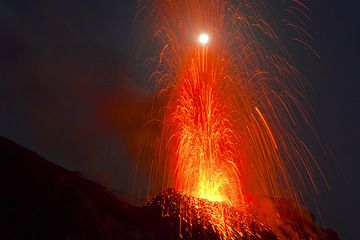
(204, 38)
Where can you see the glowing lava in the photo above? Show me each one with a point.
(203, 145)
(229, 113)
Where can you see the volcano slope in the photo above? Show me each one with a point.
(41, 200)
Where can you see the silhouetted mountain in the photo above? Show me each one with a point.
(44, 201)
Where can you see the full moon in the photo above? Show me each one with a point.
(204, 38)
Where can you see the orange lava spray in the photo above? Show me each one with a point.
(229, 109)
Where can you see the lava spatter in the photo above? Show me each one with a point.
(230, 108)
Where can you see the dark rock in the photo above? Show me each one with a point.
(41, 200)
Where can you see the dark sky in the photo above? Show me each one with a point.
(63, 62)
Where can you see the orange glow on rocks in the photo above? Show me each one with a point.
(227, 112)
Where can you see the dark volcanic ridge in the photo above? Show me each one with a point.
(258, 218)
(45, 201)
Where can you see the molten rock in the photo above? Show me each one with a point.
(265, 218)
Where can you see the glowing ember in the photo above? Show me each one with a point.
(229, 111)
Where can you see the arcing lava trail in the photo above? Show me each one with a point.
(229, 106)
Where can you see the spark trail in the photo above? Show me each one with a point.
(229, 102)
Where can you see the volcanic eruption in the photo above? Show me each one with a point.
(231, 112)
(223, 149)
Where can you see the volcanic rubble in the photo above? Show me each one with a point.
(44, 201)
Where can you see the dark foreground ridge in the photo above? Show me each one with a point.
(44, 201)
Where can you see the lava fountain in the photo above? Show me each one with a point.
(229, 105)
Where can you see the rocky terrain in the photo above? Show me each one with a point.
(41, 200)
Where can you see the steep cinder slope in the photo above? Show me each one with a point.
(41, 200)
(44, 201)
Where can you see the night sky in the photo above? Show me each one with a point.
(66, 66)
